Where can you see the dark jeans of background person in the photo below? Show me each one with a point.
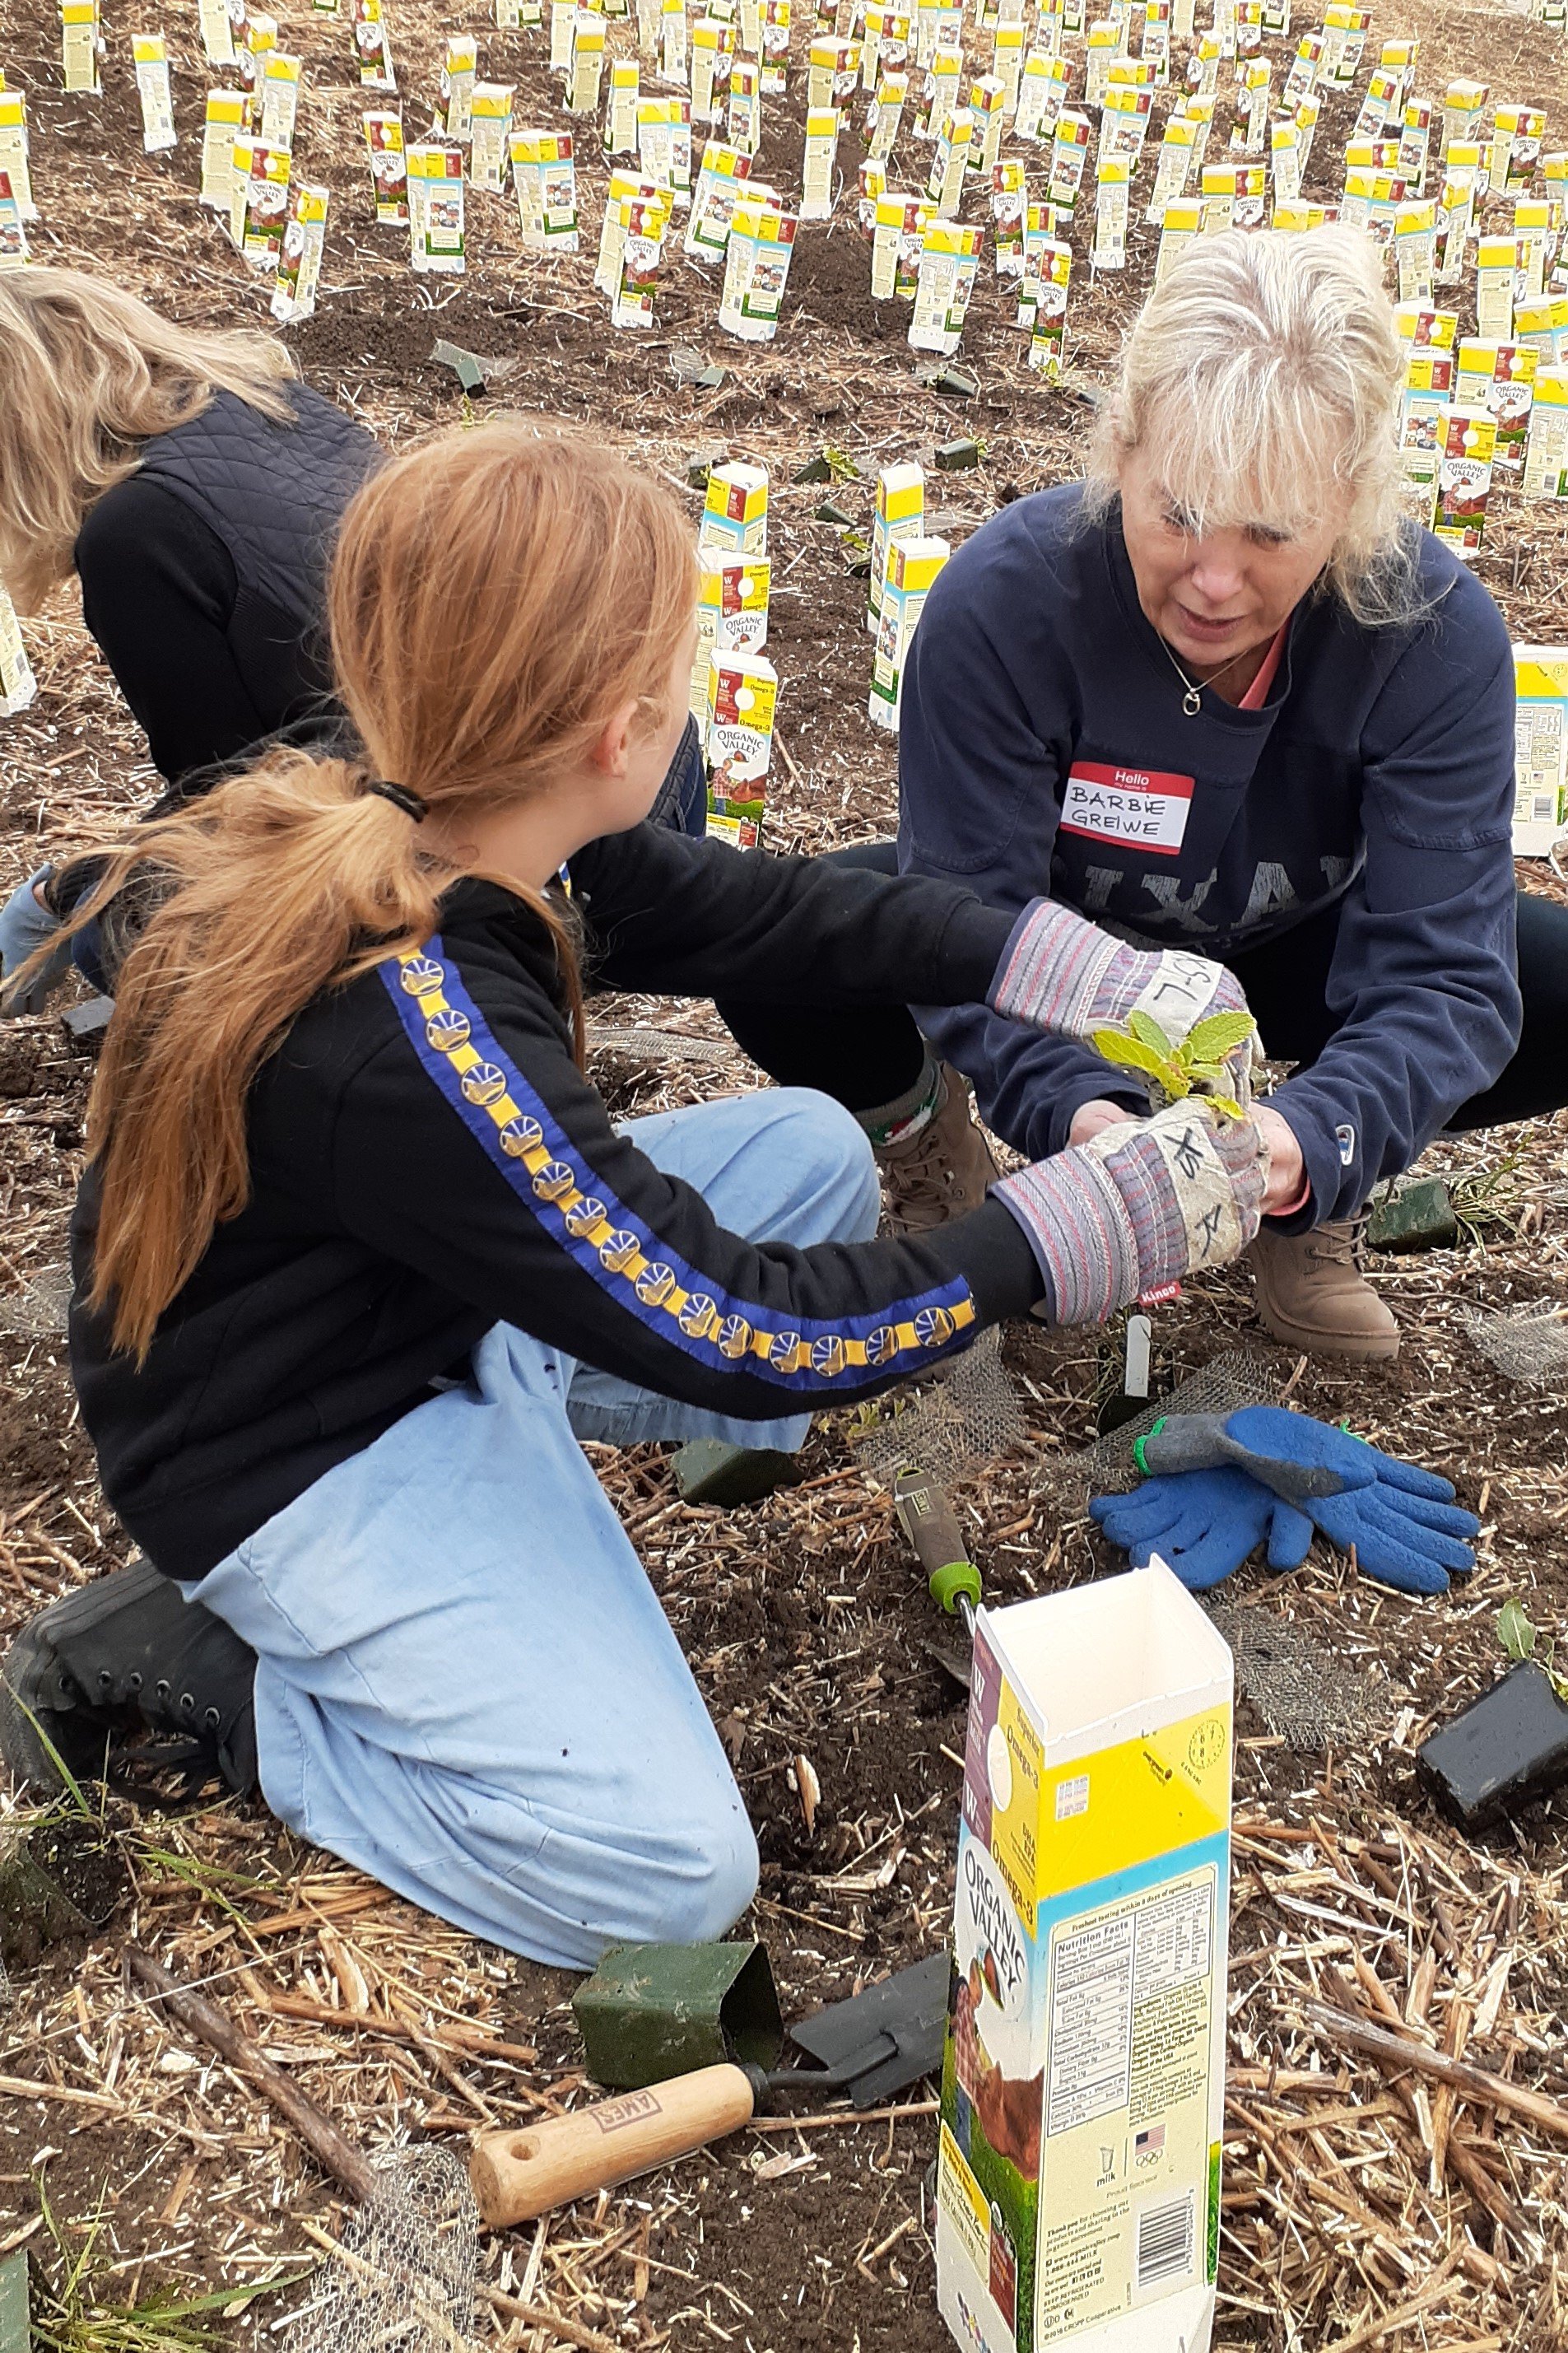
(872, 1057)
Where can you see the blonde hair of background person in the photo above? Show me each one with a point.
(481, 676)
(1284, 347)
(88, 373)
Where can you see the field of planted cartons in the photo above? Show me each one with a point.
(822, 247)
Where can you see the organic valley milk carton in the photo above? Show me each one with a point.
(1540, 746)
(911, 565)
(735, 511)
(742, 692)
(18, 684)
(1083, 2084)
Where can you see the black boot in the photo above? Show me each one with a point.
(129, 1682)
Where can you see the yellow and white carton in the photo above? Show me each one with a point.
(1497, 258)
(587, 64)
(731, 615)
(735, 511)
(742, 690)
(300, 263)
(1546, 453)
(489, 152)
(372, 47)
(950, 259)
(612, 227)
(756, 269)
(1541, 748)
(151, 64)
(1543, 325)
(1466, 440)
(1047, 332)
(260, 206)
(1499, 378)
(1083, 2082)
(217, 30)
(912, 565)
(279, 77)
(18, 684)
(13, 150)
(544, 181)
(81, 47)
(899, 513)
(621, 126)
(226, 111)
(642, 250)
(721, 179)
(817, 166)
(436, 208)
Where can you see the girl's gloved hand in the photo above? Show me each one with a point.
(1137, 1207)
(24, 926)
(1062, 973)
(1203, 1524)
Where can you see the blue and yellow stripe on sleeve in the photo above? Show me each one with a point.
(674, 1301)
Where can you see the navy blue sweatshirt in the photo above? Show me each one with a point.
(1043, 747)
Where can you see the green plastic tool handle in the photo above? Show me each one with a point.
(931, 1526)
(957, 1582)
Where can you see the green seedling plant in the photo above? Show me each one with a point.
(1199, 1065)
(76, 2312)
(1521, 1639)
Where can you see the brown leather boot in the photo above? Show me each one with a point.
(942, 1169)
(1312, 1294)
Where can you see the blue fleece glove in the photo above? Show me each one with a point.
(23, 927)
(1403, 1522)
(1203, 1524)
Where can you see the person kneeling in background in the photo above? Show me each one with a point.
(1223, 696)
(360, 1255)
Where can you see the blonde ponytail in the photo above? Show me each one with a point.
(495, 598)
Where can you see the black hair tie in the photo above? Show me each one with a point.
(400, 796)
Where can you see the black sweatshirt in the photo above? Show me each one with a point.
(426, 1158)
(202, 575)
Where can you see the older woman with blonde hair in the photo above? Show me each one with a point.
(1225, 696)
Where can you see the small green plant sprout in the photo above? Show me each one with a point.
(1198, 1066)
(1521, 1641)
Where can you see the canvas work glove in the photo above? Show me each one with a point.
(24, 926)
(1203, 1524)
(1061, 972)
(1139, 1206)
(1402, 1521)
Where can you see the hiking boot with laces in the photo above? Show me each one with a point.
(942, 1169)
(1312, 1294)
(128, 1682)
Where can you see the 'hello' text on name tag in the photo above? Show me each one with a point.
(1146, 809)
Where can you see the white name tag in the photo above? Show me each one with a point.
(1145, 808)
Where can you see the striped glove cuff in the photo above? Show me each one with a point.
(1139, 1206)
(1062, 973)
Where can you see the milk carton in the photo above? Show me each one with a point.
(436, 208)
(735, 511)
(1497, 258)
(489, 152)
(642, 250)
(13, 150)
(279, 77)
(817, 166)
(18, 684)
(260, 206)
(1466, 439)
(1546, 452)
(950, 257)
(1078, 2171)
(1070, 147)
(1047, 335)
(912, 565)
(720, 182)
(372, 47)
(1541, 747)
(151, 64)
(226, 111)
(1499, 378)
(742, 689)
(899, 514)
(300, 263)
(544, 182)
(81, 47)
(756, 270)
(388, 165)
(13, 233)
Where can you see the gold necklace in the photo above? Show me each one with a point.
(1192, 701)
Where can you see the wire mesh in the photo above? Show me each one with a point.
(1302, 1692)
(38, 1311)
(1528, 1343)
(1241, 1377)
(968, 1417)
(649, 1045)
(403, 2281)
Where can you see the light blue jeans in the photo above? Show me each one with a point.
(465, 1686)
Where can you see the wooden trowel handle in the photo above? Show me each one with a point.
(517, 2175)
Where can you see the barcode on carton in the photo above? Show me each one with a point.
(1072, 1798)
(1165, 2241)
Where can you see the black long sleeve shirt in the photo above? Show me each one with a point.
(426, 1158)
